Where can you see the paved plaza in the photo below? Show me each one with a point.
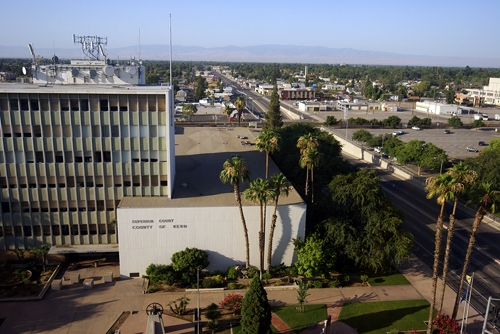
(75, 310)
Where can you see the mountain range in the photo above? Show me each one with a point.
(264, 53)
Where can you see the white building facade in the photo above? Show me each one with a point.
(436, 108)
(153, 235)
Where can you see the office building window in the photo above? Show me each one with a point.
(124, 131)
(105, 131)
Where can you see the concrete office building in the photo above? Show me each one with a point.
(437, 108)
(70, 153)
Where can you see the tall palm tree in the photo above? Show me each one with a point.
(485, 197)
(279, 185)
(463, 177)
(437, 186)
(310, 159)
(260, 192)
(268, 141)
(304, 143)
(234, 170)
(240, 105)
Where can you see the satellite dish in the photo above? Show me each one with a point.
(75, 72)
(93, 73)
(26, 70)
(132, 70)
(55, 59)
(108, 70)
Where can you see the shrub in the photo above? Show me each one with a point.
(219, 273)
(331, 120)
(415, 120)
(213, 326)
(232, 302)
(280, 269)
(178, 306)
(232, 273)
(391, 121)
(232, 286)
(278, 283)
(190, 259)
(151, 289)
(455, 122)
(477, 123)
(347, 278)
(426, 121)
(318, 284)
(218, 279)
(266, 276)
(364, 278)
(208, 283)
(374, 121)
(188, 279)
(159, 274)
(445, 325)
(362, 135)
(334, 283)
(212, 307)
(252, 271)
(213, 314)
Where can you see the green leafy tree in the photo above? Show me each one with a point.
(330, 121)
(41, 251)
(260, 192)
(391, 121)
(493, 145)
(422, 154)
(152, 79)
(188, 110)
(280, 186)
(256, 311)
(234, 170)
(485, 197)
(455, 122)
(190, 260)
(450, 96)
(199, 93)
(362, 136)
(302, 294)
(228, 111)
(415, 121)
(240, 105)
(314, 258)
(306, 143)
(477, 124)
(267, 141)
(273, 116)
(363, 226)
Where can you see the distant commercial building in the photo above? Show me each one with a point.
(297, 94)
(437, 108)
(488, 95)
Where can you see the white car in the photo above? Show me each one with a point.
(398, 133)
(377, 149)
(415, 128)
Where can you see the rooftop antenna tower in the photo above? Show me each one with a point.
(170, 28)
(92, 46)
(139, 46)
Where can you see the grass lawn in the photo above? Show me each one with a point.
(295, 320)
(382, 317)
(392, 277)
(299, 321)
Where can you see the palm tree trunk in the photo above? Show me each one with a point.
(312, 185)
(267, 164)
(261, 241)
(439, 230)
(479, 218)
(238, 199)
(271, 234)
(307, 178)
(451, 229)
(239, 117)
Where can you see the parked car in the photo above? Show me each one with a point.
(377, 149)
(398, 133)
(472, 149)
(385, 155)
(446, 131)
(415, 128)
(481, 143)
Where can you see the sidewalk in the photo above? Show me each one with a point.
(75, 310)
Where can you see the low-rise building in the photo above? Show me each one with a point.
(297, 94)
(489, 94)
(436, 108)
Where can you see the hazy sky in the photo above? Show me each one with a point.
(422, 27)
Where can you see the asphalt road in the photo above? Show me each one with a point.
(420, 219)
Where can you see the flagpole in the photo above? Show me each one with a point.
(467, 296)
(468, 303)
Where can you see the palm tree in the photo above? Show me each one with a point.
(234, 170)
(228, 111)
(280, 185)
(240, 105)
(310, 159)
(463, 176)
(437, 186)
(485, 197)
(268, 141)
(304, 143)
(259, 192)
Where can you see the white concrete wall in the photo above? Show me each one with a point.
(216, 230)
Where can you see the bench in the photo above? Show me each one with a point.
(56, 284)
(108, 277)
(74, 278)
(88, 284)
(95, 263)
